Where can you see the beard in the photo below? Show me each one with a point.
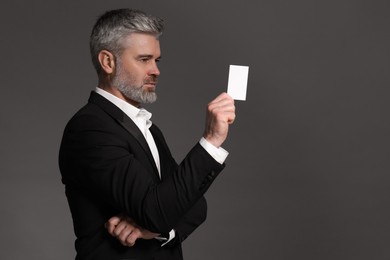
(127, 84)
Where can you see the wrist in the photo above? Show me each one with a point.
(212, 139)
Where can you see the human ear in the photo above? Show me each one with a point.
(107, 62)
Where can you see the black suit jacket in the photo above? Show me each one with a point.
(107, 169)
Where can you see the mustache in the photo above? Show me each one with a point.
(151, 80)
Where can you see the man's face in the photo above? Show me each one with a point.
(136, 69)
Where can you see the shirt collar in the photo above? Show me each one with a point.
(131, 111)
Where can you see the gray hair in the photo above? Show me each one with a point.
(114, 26)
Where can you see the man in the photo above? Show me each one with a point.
(128, 197)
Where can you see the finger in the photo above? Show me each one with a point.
(225, 117)
(231, 117)
(111, 224)
(220, 97)
(131, 239)
(125, 233)
(219, 110)
(221, 103)
(114, 220)
(118, 229)
(110, 228)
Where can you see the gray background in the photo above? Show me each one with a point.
(308, 171)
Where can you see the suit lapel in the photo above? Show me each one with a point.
(126, 122)
(163, 151)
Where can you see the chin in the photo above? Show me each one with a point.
(150, 89)
(148, 97)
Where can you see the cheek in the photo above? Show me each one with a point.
(135, 73)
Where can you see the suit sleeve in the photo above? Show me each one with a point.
(198, 212)
(191, 221)
(98, 158)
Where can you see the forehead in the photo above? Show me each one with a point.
(142, 42)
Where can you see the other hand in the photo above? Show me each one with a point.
(127, 231)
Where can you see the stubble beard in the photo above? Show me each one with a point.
(129, 87)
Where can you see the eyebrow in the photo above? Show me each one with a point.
(149, 56)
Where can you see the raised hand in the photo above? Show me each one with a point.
(220, 114)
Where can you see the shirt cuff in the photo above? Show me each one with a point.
(172, 235)
(219, 154)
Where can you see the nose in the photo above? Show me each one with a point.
(154, 69)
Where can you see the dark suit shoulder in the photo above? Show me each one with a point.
(90, 116)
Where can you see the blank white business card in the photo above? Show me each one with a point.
(237, 82)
